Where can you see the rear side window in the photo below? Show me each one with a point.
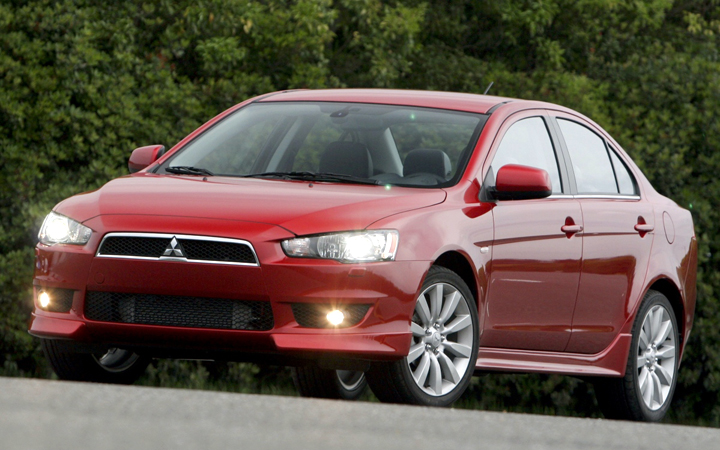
(528, 143)
(590, 159)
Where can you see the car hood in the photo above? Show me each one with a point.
(300, 207)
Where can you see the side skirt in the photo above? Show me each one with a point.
(611, 362)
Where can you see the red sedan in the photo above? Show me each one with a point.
(400, 239)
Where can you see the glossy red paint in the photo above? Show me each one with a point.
(301, 207)
(614, 259)
(558, 281)
(534, 275)
(144, 156)
(517, 178)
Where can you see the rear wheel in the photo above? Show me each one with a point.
(115, 366)
(444, 346)
(646, 390)
(312, 381)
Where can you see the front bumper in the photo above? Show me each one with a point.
(389, 288)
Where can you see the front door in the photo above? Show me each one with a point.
(536, 254)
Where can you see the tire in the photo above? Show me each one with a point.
(116, 366)
(312, 381)
(444, 346)
(646, 390)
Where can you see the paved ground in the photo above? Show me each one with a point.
(40, 414)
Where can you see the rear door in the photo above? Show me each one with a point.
(535, 268)
(618, 233)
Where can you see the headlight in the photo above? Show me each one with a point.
(57, 229)
(363, 246)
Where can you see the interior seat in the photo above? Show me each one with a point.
(349, 158)
(428, 160)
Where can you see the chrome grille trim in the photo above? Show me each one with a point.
(169, 236)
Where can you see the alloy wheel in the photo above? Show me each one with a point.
(442, 339)
(656, 357)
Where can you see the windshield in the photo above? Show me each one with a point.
(335, 142)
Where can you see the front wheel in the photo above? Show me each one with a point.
(646, 390)
(117, 366)
(444, 346)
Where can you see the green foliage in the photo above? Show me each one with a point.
(534, 393)
(219, 376)
(374, 41)
(84, 82)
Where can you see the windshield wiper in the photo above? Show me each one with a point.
(188, 170)
(341, 177)
(314, 176)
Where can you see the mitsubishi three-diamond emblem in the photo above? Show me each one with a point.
(174, 249)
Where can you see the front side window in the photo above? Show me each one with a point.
(528, 143)
(398, 145)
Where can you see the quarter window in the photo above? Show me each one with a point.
(626, 182)
(590, 160)
(528, 143)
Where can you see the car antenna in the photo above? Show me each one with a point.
(488, 88)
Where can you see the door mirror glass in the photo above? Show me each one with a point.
(516, 182)
(144, 156)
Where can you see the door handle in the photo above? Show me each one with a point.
(571, 229)
(644, 228)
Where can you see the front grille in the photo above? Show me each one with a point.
(146, 247)
(61, 300)
(178, 311)
(311, 315)
(192, 248)
(217, 251)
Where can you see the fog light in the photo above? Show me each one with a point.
(44, 299)
(335, 317)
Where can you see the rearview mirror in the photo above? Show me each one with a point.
(144, 156)
(516, 182)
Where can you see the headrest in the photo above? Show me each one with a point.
(428, 160)
(349, 158)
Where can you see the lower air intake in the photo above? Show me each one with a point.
(177, 311)
(61, 300)
(311, 315)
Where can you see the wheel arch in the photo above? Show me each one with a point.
(458, 263)
(668, 288)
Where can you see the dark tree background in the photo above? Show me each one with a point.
(82, 83)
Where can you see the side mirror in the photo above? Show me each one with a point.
(516, 182)
(144, 156)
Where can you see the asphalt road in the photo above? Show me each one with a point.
(40, 414)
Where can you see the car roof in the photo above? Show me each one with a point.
(429, 99)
